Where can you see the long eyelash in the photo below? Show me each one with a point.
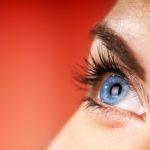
(91, 103)
(94, 69)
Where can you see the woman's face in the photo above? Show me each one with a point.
(115, 112)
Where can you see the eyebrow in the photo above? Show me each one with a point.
(118, 46)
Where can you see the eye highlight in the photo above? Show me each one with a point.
(113, 90)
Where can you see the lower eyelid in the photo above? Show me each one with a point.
(109, 117)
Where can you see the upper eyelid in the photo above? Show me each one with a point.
(95, 69)
(132, 79)
(106, 63)
(119, 47)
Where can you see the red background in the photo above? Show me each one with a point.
(39, 42)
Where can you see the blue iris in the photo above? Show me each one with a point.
(114, 90)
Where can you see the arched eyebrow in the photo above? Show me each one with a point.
(119, 47)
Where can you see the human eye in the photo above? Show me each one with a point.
(116, 91)
(113, 91)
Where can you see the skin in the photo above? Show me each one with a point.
(87, 130)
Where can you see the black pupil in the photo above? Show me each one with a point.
(115, 90)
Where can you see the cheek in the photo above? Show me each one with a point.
(83, 132)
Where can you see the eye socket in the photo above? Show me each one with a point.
(116, 91)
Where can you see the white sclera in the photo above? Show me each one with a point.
(132, 103)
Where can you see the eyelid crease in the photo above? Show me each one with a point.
(117, 45)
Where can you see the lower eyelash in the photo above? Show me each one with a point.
(103, 114)
(92, 103)
(110, 113)
(97, 107)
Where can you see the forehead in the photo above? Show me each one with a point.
(130, 19)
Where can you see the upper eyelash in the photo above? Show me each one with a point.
(94, 70)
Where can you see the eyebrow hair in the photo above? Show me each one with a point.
(118, 46)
